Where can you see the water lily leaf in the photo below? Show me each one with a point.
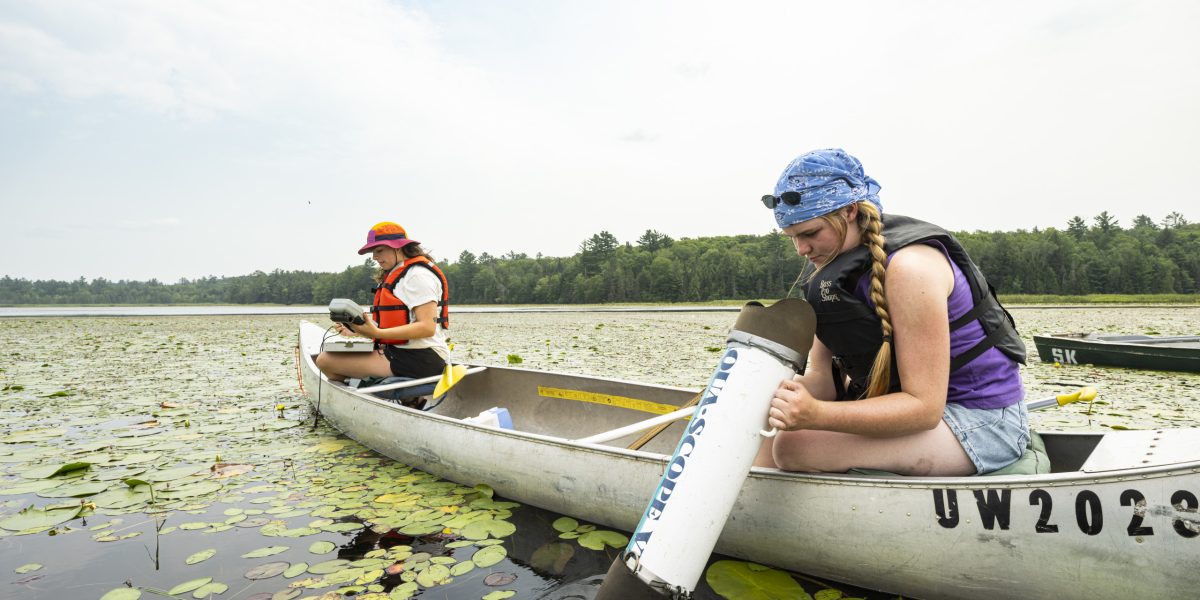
(298, 532)
(123, 593)
(564, 524)
(482, 529)
(322, 547)
(597, 540)
(488, 504)
(222, 470)
(112, 473)
(55, 470)
(267, 551)
(122, 498)
(137, 458)
(488, 556)
(404, 591)
(33, 518)
(254, 522)
(201, 556)
(329, 566)
(29, 568)
(75, 490)
(749, 581)
(187, 586)
(499, 595)
(434, 575)
(173, 473)
(498, 579)
(190, 490)
(27, 487)
(462, 568)
(396, 498)
(295, 570)
(33, 435)
(267, 570)
(210, 589)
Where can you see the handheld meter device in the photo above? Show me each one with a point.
(344, 310)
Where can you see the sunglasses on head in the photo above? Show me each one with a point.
(794, 198)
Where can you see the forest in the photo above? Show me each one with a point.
(1086, 257)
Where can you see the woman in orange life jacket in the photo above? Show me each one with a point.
(410, 314)
(908, 333)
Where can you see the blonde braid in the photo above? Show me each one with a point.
(872, 227)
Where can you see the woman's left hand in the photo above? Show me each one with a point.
(367, 329)
(792, 407)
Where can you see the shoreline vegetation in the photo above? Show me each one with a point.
(1153, 263)
(1009, 300)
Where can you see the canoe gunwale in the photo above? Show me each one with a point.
(843, 479)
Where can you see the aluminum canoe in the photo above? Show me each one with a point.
(1117, 517)
(1158, 353)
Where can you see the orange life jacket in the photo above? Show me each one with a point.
(390, 311)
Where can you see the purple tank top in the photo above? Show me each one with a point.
(992, 380)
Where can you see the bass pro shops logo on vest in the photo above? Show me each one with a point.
(826, 295)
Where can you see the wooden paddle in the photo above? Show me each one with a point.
(649, 435)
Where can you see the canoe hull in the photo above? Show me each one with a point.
(1134, 352)
(1067, 535)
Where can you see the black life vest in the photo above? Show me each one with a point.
(390, 311)
(850, 328)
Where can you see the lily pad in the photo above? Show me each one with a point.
(210, 589)
(482, 529)
(597, 540)
(173, 473)
(296, 569)
(201, 556)
(29, 568)
(267, 551)
(33, 518)
(564, 524)
(433, 575)
(27, 487)
(322, 547)
(190, 490)
(48, 471)
(462, 568)
(122, 498)
(75, 490)
(499, 595)
(749, 581)
(329, 566)
(267, 570)
(188, 586)
(488, 556)
(499, 579)
(123, 593)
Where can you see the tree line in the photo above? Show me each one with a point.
(1096, 257)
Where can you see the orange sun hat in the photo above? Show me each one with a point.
(388, 234)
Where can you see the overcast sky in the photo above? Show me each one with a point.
(149, 139)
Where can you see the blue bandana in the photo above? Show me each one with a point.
(827, 180)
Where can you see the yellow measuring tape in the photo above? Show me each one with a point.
(657, 408)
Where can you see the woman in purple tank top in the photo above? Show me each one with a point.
(905, 328)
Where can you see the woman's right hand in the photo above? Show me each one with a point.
(792, 407)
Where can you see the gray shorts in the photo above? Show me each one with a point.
(992, 437)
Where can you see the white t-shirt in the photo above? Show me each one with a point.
(420, 286)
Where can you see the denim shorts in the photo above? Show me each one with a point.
(992, 437)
